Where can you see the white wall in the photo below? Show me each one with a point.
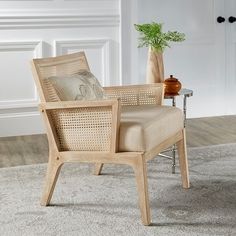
(202, 62)
(104, 29)
(45, 28)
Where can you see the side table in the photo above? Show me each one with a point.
(185, 93)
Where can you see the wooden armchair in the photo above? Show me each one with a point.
(103, 131)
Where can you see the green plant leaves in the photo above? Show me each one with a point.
(153, 36)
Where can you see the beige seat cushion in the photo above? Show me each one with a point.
(144, 127)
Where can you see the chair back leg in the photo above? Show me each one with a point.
(97, 169)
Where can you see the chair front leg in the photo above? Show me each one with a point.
(53, 170)
(183, 161)
(142, 186)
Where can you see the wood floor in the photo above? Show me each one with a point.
(33, 149)
(211, 131)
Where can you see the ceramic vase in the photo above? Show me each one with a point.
(155, 67)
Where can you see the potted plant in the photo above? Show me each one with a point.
(152, 36)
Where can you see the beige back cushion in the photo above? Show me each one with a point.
(80, 86)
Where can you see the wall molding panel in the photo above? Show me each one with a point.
(45, 28)
(57, 19)
(36, 48)
(63, 46)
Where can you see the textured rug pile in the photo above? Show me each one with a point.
(87, 205)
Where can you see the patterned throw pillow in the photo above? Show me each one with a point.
(80, 86)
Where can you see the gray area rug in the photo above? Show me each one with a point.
(84, 204)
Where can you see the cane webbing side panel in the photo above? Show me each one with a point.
(137, 94)
(83, 129)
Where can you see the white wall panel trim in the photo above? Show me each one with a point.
(62, 46)
(36, 48)
(128, 42)
(57, 19)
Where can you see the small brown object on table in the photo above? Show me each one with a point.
(172, 85)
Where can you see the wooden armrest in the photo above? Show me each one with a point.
(145, 94)
(78, 104)
(136, 86)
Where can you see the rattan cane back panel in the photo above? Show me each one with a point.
(137, 95)
(61, 66)
(83, 129)
(49, 92)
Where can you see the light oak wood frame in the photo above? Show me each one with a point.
(61, 151)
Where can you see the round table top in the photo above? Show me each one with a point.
(183, 92)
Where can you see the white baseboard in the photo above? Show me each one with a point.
(16, 124)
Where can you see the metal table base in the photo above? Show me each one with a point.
(185, 93)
